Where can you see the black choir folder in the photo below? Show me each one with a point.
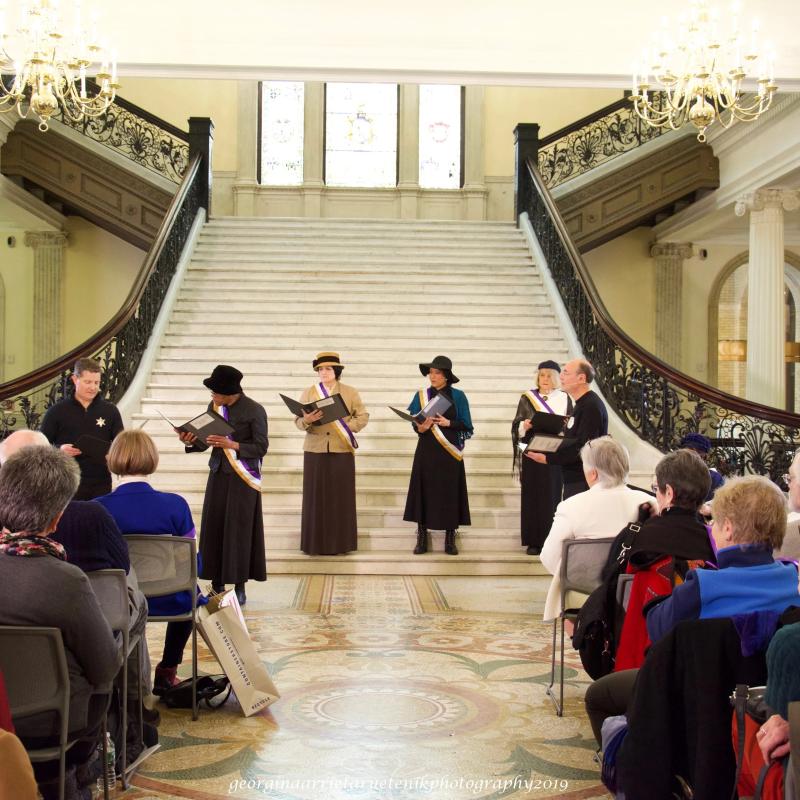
(436, 406)
(94, 448)
(547, 433)
(332, 408)
(209, 423)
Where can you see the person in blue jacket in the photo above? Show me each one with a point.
(138, 508)
(437, 491)
(749, 523)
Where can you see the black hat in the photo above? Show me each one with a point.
(224, 380)
(696, 442)
(328, 359)
(442, 363)
(549, 365)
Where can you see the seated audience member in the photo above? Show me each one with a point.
(749, 523)
(38, 587)
(601, 511)
(138, 508)
(666, 546)
(16, 776)
(791, 542)
(701, 445)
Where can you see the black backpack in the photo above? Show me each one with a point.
(212, 691)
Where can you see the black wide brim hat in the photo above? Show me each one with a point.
(328, 359)
(224, 380)
(442, 363)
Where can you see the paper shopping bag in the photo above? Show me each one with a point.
(221, 623)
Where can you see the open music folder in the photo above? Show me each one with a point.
(332, 408)
(435, 407)
(209, 423)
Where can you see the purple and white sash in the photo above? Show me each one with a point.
(339, 425)
(249, 476)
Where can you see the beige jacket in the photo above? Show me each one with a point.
(323, 438)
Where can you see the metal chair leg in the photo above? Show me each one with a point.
(124, 704)
(104, 755)
(560, 709)
(194, 670)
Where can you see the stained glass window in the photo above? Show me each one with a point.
(282, 133)
(361, 134)
(439, 136)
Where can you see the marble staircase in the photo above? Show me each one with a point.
(267, 294)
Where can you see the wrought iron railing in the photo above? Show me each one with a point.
(593, 140)
(657, 402)
(138, 135)
(120, 344)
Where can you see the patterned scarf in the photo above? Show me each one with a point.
(30, 544)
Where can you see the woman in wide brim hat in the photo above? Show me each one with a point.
(232, 527)
(541, 484)
(329, 525)
(437, 492)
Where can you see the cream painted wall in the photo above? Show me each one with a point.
(177, 100)
(506, 106)
(16, 270)
(623, 273)
(99, 270)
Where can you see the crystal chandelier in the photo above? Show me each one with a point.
(699, 79)
(44, 63)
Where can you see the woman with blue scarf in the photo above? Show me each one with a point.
(437, 492)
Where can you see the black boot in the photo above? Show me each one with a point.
(422, 541)
(240, 595)
(450, 543)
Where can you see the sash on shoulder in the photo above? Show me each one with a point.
(252, 479)
(339, 425)
(437, 431)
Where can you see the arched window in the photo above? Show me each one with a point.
(361, 134)
(281, 122)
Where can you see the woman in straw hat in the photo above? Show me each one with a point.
(437, 492)
(541, 484)
(232, 527)
(329, 525)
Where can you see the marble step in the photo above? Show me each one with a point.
(363, 225)
(419, 267)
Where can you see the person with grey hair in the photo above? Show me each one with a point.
(607, 507)
(19, 439)
(38, 587)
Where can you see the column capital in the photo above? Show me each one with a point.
(36, 239)
(768, 197)
(680, 250)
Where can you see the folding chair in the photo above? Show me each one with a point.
(34, 667)
(165, 565)
(582, 561)
(110, 587)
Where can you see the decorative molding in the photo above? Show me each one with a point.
(680, 250)
(769, 197)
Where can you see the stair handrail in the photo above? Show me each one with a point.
(658, 402)
(120, 343)
(137, 134)
(601, 136)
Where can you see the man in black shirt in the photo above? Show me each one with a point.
(589, 421)
(84, 414)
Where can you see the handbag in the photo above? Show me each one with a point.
(212, 692)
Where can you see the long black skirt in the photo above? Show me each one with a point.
(541, 493)
(329, 524)
(231, 531)
(437, 492)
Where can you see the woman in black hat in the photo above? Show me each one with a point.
(232, 527)
(437, 492)
(329, 525)
(541, 484)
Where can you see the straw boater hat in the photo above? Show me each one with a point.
(330, 359)
(224, 380)
(442, 363)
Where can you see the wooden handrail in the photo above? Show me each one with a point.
(632, 348)
(65, 362)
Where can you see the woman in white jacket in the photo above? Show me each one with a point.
(604, 510)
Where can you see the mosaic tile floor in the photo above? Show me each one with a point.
(392, 688)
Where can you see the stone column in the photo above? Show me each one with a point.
(669, 257)
(246, 186)
(766, 369)
(48, 257)
(408, 157)
(313, 147)
(474, 184)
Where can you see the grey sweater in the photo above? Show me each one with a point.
(47, 592)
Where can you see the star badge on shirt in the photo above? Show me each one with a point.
(100, 422)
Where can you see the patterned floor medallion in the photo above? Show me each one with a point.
(390, 690)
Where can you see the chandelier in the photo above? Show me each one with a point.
(699, 79)
(44, 63)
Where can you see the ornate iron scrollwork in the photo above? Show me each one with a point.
(658, 410)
